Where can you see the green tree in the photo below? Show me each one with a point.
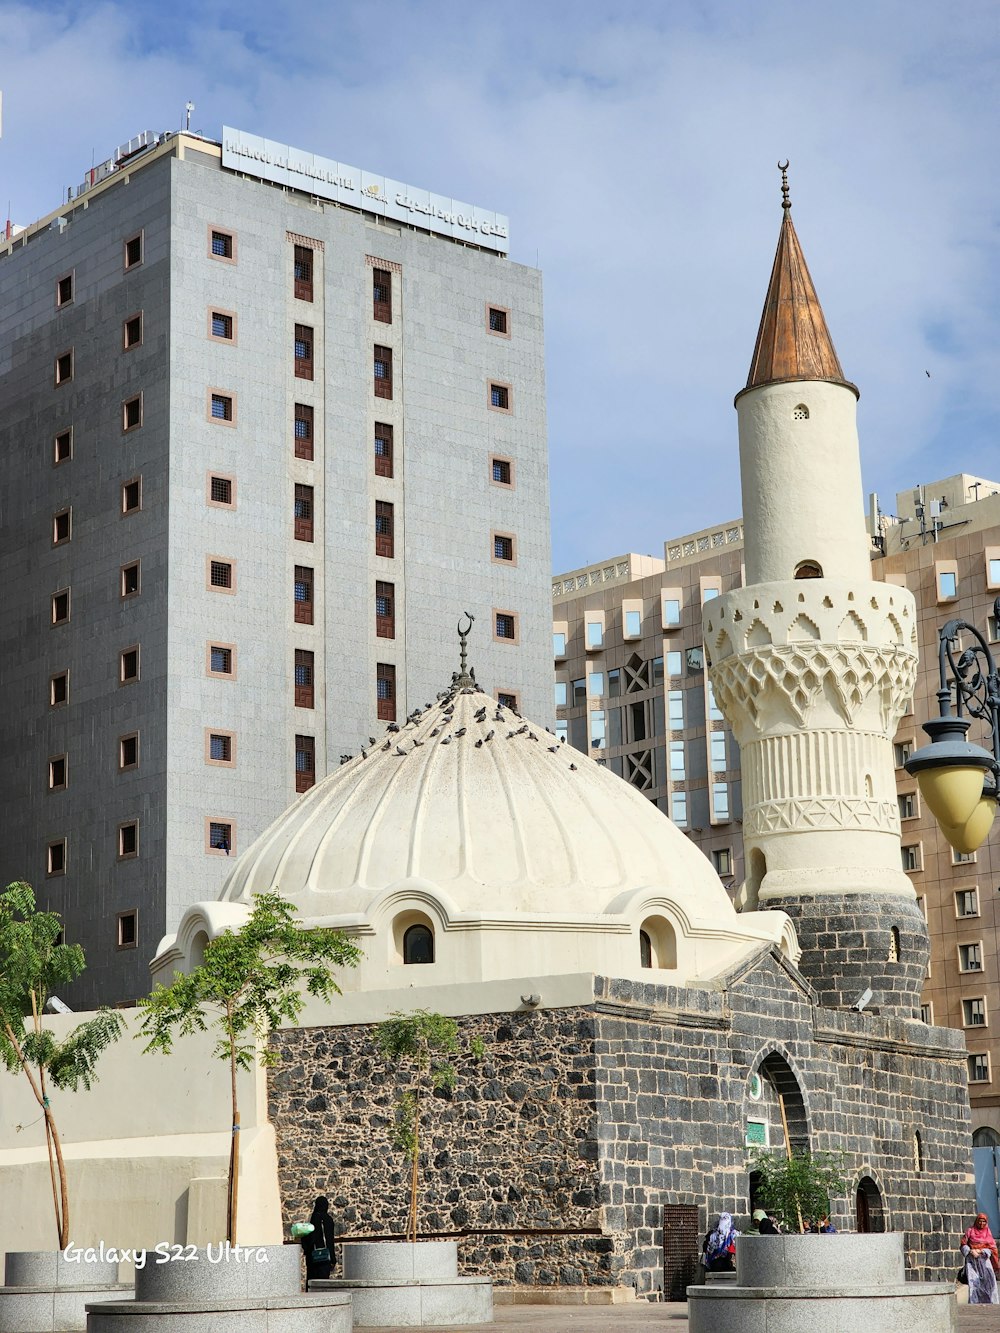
(32, 964)
(249, 983)
(419, 1045)
(799, 1185)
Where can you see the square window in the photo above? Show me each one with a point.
(970, 957)
(910, 856)
(709, 594)
(128, 929)
(128, 751)
(974, 1013)
(383, 371)
(128, 840)
(59, 689)
(64, 367)
(130, 581)
(503, 547)
(220, 748)
(60, 607)
(500, 396)
(221, 244)
(506, 700)
(221, 325)
(505, 626)
(502, 471)
(64, 290)
(221, 660)
(128, 665)
(383, 450)
(219, 837)
(962, 858)
(221, 491)
(671, 611)
(62, 447)
(559, 645)
(966, 902)
(498, 320)
(57, 773)
(132, 495)
(62, 526)
(132, 413)
(221, 407)
(132, 332)
(302, 431)
(133, 251)
(901, 752)
(221, 574)
(55, 857)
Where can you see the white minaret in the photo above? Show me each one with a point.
(813, 664)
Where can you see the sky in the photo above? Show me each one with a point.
(634, 148)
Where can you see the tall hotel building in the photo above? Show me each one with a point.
(269, 426)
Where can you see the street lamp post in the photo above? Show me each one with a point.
(958, 780)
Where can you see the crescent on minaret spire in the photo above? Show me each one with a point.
(793, 342)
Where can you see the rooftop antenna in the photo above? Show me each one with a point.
(188, 108)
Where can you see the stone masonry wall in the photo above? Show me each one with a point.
(556, 1153)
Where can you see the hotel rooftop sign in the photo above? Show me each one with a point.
(322, 176)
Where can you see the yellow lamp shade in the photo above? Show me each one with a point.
(952, 792)
(973, 833)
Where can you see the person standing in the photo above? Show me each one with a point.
(318, 1245)
(979, 1250)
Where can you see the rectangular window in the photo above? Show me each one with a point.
(221, 491)
(385, 525)
(221, 659)
(671, 611)
(303, 267)
(57, 772)
(974, 1013)
(60, 607)
(132, 413)
(677, 765)
(220, 748)
(305, 763)
(637, 721)
(502, 471)
(674, 664)
(303, 352)
(993, 572)
(595, 684)
(383, 449)
(717, 744)
(961, 858)
(679, 808)
(979, 1068)
(128, 665)
(221, 407)
(559, 645)
(59, 689)
(562, 730)
(633, 624)
(907, 802)
(133, 251)
(220, 837)
(714, 711)
(303, 513)
(382, 295)
(383, 371)
(62, 527)
(901, 752)
(561, 693)
(720, 801)
(595, 634)
(221, 244)
(305, 674)
(132, 332)
(580, 691)
(303, 595)
(966, 902)
(675, 710)
(62, 447)
(132, 495)
(505, 626)
(927, 1014)
(970, 958)
(128, 929)
(128, 840)
(947, 585)
(385, 691)
(709, 594)
(64, 290)
(221, 575)
(55, 857)
(503, 548)
(303, 431)
(506, 700)
(497, 320)
(385, 610)
(220, 325)
(722, 860)
(911, 856)
(130, 579)
(598, 728)
(614, 683)
(64, 367)
(128, 751)
(500, 397)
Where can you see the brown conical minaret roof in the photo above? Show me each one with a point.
(793, 342)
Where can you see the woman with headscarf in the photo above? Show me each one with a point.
(980, 1252)
(318, 1245)
(719, 1249)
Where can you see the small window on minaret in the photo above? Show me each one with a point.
(800, 413)
(808, 569)
(893, 945)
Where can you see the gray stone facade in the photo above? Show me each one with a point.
(556, 1155)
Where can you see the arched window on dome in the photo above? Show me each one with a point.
(418, 944)
(808, 569)
(658, 943)
(645, 950)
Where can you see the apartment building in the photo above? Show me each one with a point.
(631, 689)
(268, 426)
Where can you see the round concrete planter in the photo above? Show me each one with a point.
(46, 1292)
(396, 1284)
(221, 1271)
(821, 1284)
(51, 1268)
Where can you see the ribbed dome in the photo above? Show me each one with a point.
(469, 797)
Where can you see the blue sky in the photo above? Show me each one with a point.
(633, 146)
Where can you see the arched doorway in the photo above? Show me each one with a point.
(773, 1104)
(868, 1208)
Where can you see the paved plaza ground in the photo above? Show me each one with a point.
(641, 1317)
